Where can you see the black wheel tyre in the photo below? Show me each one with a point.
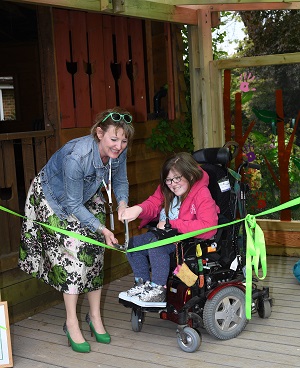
(224, 315)
(189, 340)
(137, 320)
(264, 308)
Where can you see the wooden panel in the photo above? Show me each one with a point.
(4, 193)
(140, 98)
(170, 71)
(122, 53)
(40, 153)
(62, 46)
(143, 171)
(12, 201)
(8, 261)
(28, 162)
(149, 52)
(110, 91)
(290, 239)
(96, 52)
(81, 80)
(67, 134)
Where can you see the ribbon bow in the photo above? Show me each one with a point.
(255, 257)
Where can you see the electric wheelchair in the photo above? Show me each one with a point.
(216, 299)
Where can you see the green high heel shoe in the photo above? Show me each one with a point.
(83, 347)
(103, 338)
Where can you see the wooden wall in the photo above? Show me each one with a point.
(282, 237)
(26, 295)
(100, 64)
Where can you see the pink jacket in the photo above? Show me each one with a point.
(198, 210)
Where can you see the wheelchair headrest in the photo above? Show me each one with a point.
(213, 156)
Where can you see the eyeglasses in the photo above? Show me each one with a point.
(176, 180)
(117, 117)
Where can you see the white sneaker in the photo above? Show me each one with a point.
(154, 294)
(138, 288)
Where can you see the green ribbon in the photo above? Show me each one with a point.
(63, 231)
(255, 255)
(255, 244)
(3, 328)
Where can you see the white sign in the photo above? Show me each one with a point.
(5, 341)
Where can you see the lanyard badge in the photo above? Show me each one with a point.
(108, 191)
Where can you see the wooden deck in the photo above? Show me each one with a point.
(39, 341)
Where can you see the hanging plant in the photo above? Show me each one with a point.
(172, 136)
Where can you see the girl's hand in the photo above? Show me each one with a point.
(131, 213)
(161, 225)
(109, 237)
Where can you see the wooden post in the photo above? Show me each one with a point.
(200, 46)
(196, 106)
(49, 77)
(217, 107)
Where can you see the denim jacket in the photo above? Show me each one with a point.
(75, 173)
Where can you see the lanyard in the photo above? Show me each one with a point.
(108, 191)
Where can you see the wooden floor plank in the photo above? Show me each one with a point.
(39, 341)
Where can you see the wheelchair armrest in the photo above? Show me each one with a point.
(162, 233)
(151, 224)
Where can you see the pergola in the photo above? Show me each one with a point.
(200, 16)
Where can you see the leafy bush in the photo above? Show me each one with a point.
(172, 136)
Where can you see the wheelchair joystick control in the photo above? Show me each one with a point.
(167, 224)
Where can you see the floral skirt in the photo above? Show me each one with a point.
(66, 263)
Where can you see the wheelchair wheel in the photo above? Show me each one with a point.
(224, 315)
(137, 319)
(188, 339)
(264, 308)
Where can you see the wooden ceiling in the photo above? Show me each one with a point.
(179, 11)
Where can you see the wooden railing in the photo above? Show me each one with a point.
(22, 155)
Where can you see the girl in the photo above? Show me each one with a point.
(184, 197)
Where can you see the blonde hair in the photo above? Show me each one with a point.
(121, 124)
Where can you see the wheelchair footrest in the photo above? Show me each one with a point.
(123, 298)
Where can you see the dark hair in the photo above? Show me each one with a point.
(186, 166)
(127, 127)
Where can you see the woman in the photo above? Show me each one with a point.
(67, 194)
(182, 196)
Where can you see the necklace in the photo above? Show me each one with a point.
(108, 191)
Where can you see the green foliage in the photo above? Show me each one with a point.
(172, 136)
(272, 31)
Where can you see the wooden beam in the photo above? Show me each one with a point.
(87, 5)
(176, 11)
(196, 3)
(155, 11)
(278, 59)
(132, 8)
(246, 6)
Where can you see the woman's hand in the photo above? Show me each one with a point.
(131, 213)
(109, 237)
(121, 208)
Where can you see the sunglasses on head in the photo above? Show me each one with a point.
(115, 116)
